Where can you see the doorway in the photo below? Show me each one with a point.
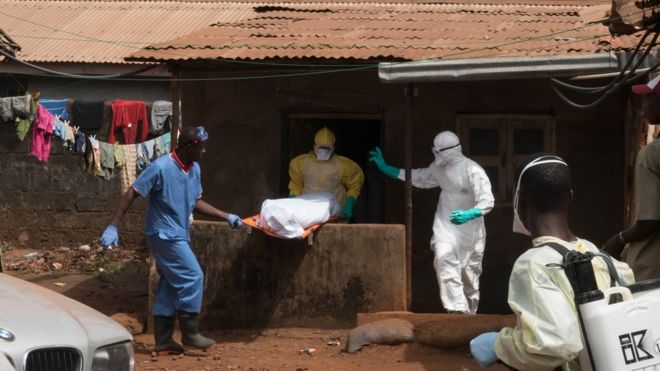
(356, 136)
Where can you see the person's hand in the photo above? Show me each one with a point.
(110, 237)
(347, 210)
(462, 216)
(234, 221)
(483, 349)
(614, 246)
(376, 156)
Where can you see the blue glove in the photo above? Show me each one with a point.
(462, 216)
(110, 237)
(376, 156)
(234, 221)
(348, 207)
(483, 349)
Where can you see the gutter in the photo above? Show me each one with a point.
(505, 68)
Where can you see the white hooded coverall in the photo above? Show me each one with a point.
(458, 249)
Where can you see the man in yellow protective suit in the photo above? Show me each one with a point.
(324, 171)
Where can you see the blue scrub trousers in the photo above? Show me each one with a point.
(181, 282)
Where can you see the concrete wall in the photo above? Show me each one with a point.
(244, 163)
(253, 280)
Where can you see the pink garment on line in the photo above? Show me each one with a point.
(126, 114)
(42, 131)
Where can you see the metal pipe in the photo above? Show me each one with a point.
(410, 98)
(175, 92)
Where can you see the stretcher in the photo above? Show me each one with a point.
(253, 222)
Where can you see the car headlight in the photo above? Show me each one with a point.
(116, 357)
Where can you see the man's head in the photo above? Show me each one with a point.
(192, 142)
(446, 148)
(543, 187)
(324, 144)
(651, 93)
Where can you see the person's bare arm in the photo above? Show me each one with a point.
(205, 208)
(641, 230)
(124, 204)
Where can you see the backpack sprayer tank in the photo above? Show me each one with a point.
(620, 325)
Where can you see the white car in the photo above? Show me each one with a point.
(42, 330)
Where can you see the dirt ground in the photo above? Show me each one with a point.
(115, 283)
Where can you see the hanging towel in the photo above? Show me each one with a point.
(87, 114)
(161, 113)
(128, 115)
(5, 110)
(23, 107)
(41, 134)
(56, 107)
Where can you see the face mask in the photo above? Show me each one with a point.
(323, 154)
(442, 155)
(518, 226)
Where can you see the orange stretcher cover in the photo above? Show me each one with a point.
(252, 222)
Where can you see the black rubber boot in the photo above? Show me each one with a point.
(163, 330)
(189, 324)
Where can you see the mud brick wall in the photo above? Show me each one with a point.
(254, 280)
(56, 203)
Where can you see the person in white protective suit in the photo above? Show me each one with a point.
(459, 234)
(547, 333)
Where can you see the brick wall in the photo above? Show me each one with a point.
(56, 203)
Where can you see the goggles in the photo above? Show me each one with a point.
(437, 151)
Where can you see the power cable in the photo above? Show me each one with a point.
(621, 75)
(616, 84)
(75, 76)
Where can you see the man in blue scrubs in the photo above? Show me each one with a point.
(173, 185)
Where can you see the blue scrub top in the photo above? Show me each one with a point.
(173, 190)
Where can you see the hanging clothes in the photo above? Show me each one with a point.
(106, 160)
(161, 114)
(23, 117)
(57, 107)
(166, 140)
(5, 110)
(88, 115)
(58, 128)
(119, 155)
(41, 134)
(79, 142)
(128, 115)
(128, 172)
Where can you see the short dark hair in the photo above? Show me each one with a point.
(188, 135)
(548, 186)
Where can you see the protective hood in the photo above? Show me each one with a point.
(446, 148)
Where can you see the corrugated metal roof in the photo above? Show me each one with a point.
(7, 44)
(102, 31)
(383, 31)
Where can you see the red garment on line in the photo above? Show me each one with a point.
(127, 114)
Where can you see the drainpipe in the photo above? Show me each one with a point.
(175, 92)
(410, 99)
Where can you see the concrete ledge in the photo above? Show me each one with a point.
(253, 280)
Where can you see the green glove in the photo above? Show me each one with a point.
(376, 156)
(348, 207)
(462, 216)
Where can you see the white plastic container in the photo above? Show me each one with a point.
(623, 336)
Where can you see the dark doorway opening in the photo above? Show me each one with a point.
(356, 136)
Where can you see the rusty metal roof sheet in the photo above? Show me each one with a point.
(102, 31)
(386, 31)
(7, 44)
